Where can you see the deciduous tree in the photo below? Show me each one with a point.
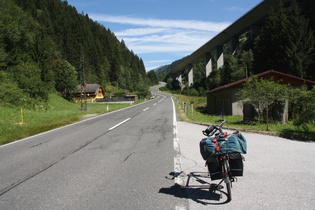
(65, 78)
(262, 94)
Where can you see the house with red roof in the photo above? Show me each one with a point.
(224, 98)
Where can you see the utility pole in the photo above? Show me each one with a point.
(82, 85)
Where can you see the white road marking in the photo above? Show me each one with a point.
(162, 99)
(178, 176)
(56, 129)
(177, 159)
(146, 109)
(112, 128)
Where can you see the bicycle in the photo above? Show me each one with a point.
(223, 157)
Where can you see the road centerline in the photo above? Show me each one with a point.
(115, 126)
(145, 109)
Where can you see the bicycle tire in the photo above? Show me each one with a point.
(227, 179)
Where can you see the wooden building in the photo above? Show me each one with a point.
(92, 91)
(224, 97)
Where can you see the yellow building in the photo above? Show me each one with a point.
(92, 91)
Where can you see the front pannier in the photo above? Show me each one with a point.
(222, 144)
(207, 147)
(236, 164)
(233, 143)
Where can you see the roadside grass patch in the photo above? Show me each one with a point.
(193, 109)
(60, 112)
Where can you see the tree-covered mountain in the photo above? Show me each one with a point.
(47, 46)
(163, 71)
(286, 43)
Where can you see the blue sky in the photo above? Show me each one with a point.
(162, 31)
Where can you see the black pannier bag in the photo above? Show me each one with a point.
(214, 167)
(236, 164)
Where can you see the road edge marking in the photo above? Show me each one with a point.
(177, 159)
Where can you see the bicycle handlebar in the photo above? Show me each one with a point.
(212, 129)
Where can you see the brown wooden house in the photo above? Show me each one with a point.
(92, 91)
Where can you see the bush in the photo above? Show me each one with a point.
(303, 106)
(192, 92)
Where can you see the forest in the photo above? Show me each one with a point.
(47, 46)
(286, 43)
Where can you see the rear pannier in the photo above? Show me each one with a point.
(236, 164)
(214, 167)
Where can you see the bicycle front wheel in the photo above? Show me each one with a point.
(227, 179)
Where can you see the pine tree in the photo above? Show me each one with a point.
(286, 43)
(153, 77)
(35, 34)
(301, 43)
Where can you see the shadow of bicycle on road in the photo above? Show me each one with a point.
(198, 188)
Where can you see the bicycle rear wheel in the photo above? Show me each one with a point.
(227, 179)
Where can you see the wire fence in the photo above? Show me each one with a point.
(187, 108)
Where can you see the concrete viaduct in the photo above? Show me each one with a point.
(251, 21)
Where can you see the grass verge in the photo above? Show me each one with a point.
(62, 112)
(59, 113)
(192, 109)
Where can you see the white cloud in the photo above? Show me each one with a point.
(159, 61)
(168, 41)
(140, 31)
(170, 48)
(185, 24)
(178, 38)
(152, 64)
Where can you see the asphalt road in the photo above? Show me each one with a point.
(120, 160)
(278, 173)
(142, 158)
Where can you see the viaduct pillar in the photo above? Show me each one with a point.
(180, 80)
(208, 64)
(220, 61)
(190, 75)
(234, 44)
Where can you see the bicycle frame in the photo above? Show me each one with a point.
(225, 166)
(227, 178)
(226, 175)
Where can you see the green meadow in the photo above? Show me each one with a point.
(16, 123)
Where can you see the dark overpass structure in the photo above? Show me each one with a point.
(251, 21)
